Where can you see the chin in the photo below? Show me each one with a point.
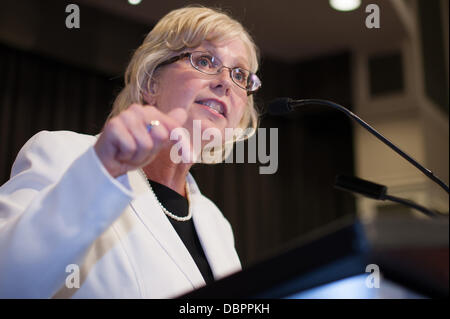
(206, 123)
(212, 124)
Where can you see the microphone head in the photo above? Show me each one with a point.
(357, 185)
(279, 106)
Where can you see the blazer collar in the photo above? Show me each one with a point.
(221, 258)
(149, 212)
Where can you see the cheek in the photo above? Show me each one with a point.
(240, 106)
(178, 93)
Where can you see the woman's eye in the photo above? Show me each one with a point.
(204, 62)
(240, 76)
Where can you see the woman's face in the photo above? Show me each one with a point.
(180, 85)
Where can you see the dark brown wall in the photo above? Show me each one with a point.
(41, 88)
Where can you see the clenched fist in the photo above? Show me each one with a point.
(125, 144)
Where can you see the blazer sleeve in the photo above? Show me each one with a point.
(59, 200)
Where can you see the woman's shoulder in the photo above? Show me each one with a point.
(63, 137)
(52, 148)
(59, 141)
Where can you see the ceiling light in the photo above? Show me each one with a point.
(345, 5)
(134, 2)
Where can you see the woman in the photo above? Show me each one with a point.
(114, 216)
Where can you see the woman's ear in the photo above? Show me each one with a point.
(149, 99)
(149, 94)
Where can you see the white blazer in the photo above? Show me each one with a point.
(61, 208)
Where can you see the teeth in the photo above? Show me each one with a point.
(213, 105)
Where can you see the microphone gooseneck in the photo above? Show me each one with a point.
(281, 106)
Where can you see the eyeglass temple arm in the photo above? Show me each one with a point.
(174, 59)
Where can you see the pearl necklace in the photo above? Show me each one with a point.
(173, 216)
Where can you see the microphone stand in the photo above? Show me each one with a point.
(379, 192)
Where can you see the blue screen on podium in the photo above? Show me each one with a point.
(357, 287)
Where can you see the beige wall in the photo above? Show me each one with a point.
(410, 120)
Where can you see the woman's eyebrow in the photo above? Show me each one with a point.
(239, 61)
(241, 64)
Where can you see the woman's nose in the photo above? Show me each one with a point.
(222, 80)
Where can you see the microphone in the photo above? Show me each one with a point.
(376, 191)
(285, 105)
(360, 186)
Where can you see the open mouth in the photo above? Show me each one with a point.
(213, 105)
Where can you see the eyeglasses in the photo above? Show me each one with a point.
(209, 64)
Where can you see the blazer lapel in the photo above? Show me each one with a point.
(150, 213)
(221, 255)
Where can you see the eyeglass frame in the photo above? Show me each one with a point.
(189, 54)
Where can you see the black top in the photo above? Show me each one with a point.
(179, 206)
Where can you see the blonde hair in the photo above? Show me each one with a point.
(180, 29)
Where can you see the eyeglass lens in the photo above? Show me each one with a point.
(207, 63)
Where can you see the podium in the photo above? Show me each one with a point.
(385, 258)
